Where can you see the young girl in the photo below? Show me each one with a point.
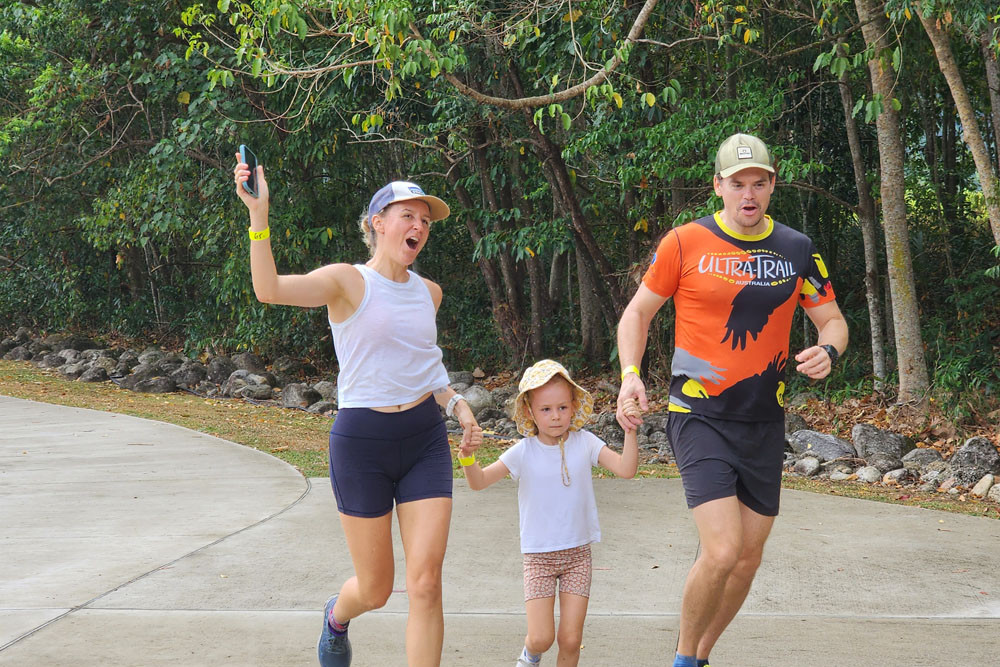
(555, 494)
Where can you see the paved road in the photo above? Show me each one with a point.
(131, 542)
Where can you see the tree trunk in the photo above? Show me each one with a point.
(970, 126)
(913, 380)
(538, 295)
(590, 310)
(993, 83)
(869, 235)
(506, 325)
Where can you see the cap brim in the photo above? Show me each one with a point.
(438, 209)
(726, 173)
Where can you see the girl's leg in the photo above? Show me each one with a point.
(423, 527)
(572, 614)
(370, 544)
(541, 624)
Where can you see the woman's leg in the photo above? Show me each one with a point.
(572, 614)
(423, 527)
(370, 542)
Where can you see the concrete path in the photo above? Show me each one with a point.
(131, 542)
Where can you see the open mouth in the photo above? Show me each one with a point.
(413, 242)
(749, 209)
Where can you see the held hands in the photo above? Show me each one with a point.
(472, 434)
(240, 175)
(631, 402)
(813, 362)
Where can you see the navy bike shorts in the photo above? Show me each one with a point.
(719, 458)
(378, 457)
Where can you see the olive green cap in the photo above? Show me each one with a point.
(742, 151)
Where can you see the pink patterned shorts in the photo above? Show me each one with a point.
(571, 567)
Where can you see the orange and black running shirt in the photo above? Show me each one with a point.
(734, 297)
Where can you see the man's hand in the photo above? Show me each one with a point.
(631, 402)
(813, 362)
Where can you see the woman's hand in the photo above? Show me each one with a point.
(472, 434)
(241, 174)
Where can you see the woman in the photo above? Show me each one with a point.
(389, 442)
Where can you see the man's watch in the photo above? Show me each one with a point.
(832, 351)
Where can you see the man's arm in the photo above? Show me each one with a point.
(832, 327)
(633, 330)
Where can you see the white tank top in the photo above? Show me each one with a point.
(387, 349)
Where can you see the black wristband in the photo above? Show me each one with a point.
(832, 352)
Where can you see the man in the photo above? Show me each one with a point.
(735, 278)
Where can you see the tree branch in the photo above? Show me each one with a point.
(563, 95)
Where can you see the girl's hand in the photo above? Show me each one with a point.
(472, 434)
(632, 393)
(241, 174)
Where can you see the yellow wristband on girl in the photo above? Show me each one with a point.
(466, 461)
(630, 369)
(261, 235)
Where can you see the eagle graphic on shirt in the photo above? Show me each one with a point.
(734, 298)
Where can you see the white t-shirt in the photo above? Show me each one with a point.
(554, 516)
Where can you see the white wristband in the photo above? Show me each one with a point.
(450, 410)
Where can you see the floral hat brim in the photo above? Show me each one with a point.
(536, 376)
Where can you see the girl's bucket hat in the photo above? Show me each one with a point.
(536, 376)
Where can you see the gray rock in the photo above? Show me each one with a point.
(884, 463)
(503, 395)
(6, 345)
(100, 353)
(807, 466)
(172, 361)
(871, 442)
(151, 355)
(994, 493)
(490, 414)
(478, 398)
(70, 355)
(838, 476)
(919, 459)
(794, 422)
(37, 346)
(95, 373)
(822, 446)
(323, 408)
(207, 388)
(831, 467)
(73, 371)
(236, 381)
(460, 377)
(249, 361)
(161, 384)
(257, 392)
(107, 363)
(899, 475)
(326, 389)
(219, 369)
(128, 360)
(869, 474)
(292, 367)
(51, 360)
(189, 374)
(977, 457)
(459, 387)
(299, 395)
(262, 378)
(19, 353)
(141, 373)
(983, 486)
(60, 342)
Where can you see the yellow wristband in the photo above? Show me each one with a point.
(466, 461)
(261, 235)
(630, 369)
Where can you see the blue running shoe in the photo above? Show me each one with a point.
(334, 650)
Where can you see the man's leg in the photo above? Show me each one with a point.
(756, 528)
(720, 531)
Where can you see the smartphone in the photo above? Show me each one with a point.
(248, 158)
